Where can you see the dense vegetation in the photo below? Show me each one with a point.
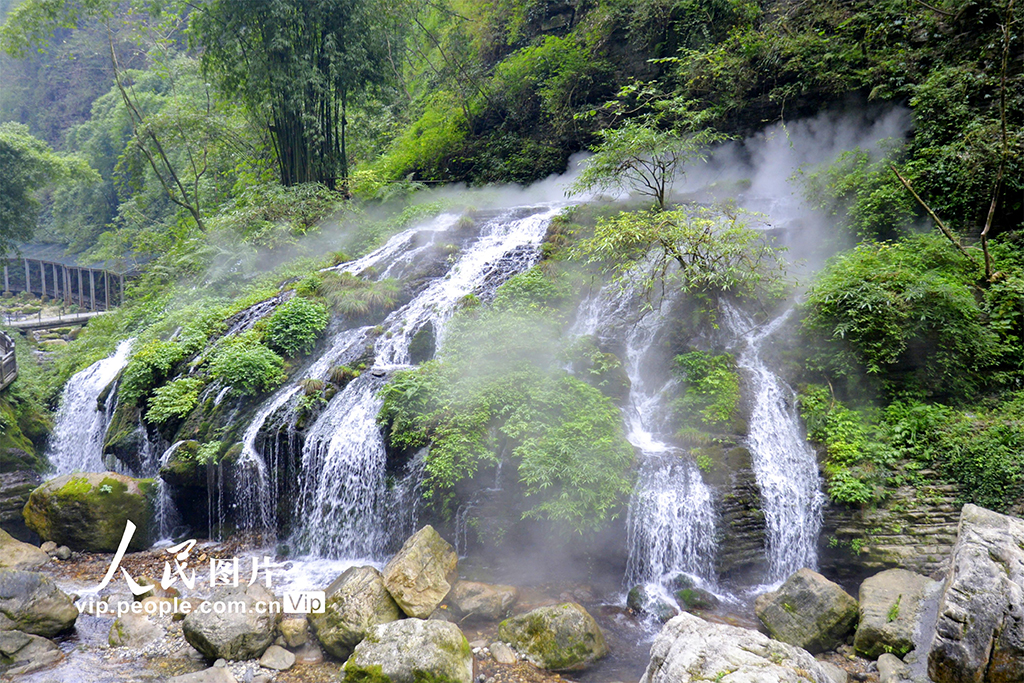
(231, 150)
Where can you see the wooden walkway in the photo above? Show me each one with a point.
(40, 323)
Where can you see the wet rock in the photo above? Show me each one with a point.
(293, 631)
(502, 653)
(558, 637)
(420, 575)
(357, 601)
(979, 635)
(891, 669)
(689, 649)
(133, 630)
(211, 675)
(88, 511)
(892, 607)
(18, 479)
(233, 633)
(808, 611)
(472, 599)
(309, 653)
(690, 596)
(22, 653)
(49, 547)
(410, 651)
(63, 553)
(17, 555)
(644, 601)
(277, 658)
(31, 602)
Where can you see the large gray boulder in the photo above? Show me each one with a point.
(892, 606)
(232, 632)
(421, 574)
(31, 602)
(808, 611)
(357, 601)
(21, 653)
(17, 555)
(475, 600)
(88, 510)
(134, 630)
(689, 649)
(412, 651)
(979, 635)
(558, 637)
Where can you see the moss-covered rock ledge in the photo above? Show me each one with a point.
(89, 510)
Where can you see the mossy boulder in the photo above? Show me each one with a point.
(808, 611)
(558, 637)
(89, 510)
(412, 651)
(643, 600)
(357, 602)
(32, 603)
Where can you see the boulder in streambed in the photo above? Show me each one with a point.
(420, 575)
(558, 637)
(31, 602)
(808, 611)
(412, 651)
(232, 632)
(357, 601)
(133, 630)
(643, 600)
(88, 510)
(475, 600)
(892, 606)
(23, 653)
(979, 634)
(17, 555)
(689, 649)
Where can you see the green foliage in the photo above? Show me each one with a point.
(499, 393)
(711, 388)
(906, 313)
(351, 295)
(27, 165)
(147, 367)
(295, 326)
(174, 400)
(247, 366)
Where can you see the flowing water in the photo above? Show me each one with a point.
(671, 524)
(784, 464)
(80, 425)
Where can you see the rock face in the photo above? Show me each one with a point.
(560, 637)
(233, 633)
(411, 651)
(15, 488)
(471, 599)
(88, 511)
(420, 575)
(689, 649)
(644, 601)
(808, 611)
(21, 653)
(979, 635)
(892, 606)
(17, 555)
(357, 601)
(32, 603)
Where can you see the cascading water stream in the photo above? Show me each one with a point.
(672, 521)
(785, 466)
(346, 506)
(77, 441)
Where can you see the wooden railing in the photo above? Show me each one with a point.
(8, 363)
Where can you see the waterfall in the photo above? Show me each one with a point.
(785, 466)
(76, 444)
(348, 502)
(671, 524)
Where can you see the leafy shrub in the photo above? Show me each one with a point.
(352, 295)
(295, 326)
(174, 400)
(711, 387)
(147, 367)
(247, 366)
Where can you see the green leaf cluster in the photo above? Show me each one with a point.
(710, 388)
(295, 326)
(246, 365)
(174, 400)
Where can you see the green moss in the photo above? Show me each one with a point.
(77, 487)
(364, 674)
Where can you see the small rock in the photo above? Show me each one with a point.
(891, 669)
(478, 643)
(49, 547)
(215, 674)
(221, 663)
(63, 553)
(277, 658)
(262, 678)
(133, 630)
(475, 600)
(309, 654)
(502, 653)
(293, 631)
(642, 600)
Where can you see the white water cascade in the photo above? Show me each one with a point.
(784, 464)
(347, 507)
(672, 520)
(76, 444)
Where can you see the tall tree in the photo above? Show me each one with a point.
(297, 63)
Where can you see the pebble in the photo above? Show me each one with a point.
(63, 553)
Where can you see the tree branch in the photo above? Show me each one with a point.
(938, 221)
